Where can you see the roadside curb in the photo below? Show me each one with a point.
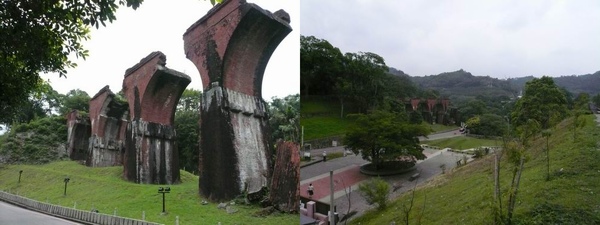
(311, 163)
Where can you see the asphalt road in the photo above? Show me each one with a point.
(10, 214)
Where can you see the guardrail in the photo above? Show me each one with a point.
(74, 214)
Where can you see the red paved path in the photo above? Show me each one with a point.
(349, 177)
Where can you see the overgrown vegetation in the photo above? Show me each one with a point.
(39, 141)
(104, 189)
(375, 191)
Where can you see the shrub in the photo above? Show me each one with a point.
(375, 191)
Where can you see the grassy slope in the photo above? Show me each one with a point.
(103, 188)
(321, 119)
(462, 142)
(464, 196)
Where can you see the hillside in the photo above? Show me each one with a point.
(463, 83)
(575, 84)
(465, 195)
(40, 141)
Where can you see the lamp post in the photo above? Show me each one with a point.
(20, 172)
(163, 191)
(67, 179)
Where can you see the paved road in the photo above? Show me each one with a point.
(10, 214)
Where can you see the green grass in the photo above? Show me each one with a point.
(440, 127)
(462, 142)
(103, 189)
(324, 126)
(464, 196)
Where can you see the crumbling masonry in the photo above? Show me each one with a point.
(231, 46)
(108, 121)
(78, 135)
(152, 91)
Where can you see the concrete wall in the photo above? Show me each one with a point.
(68, 213)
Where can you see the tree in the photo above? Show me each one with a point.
(365, 77)
(321, 63)
(516, 151)
(41, 103)
(188, 131)
(541, 97)
(487, 125)
(285, 118)
(74, 100)
(39, 36)
(382, 136)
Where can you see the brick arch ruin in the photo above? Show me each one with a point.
(231, 46)
(152, 92)
(108, 118)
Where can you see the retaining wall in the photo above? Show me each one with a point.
(75, 214)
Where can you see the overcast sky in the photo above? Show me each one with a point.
(158, 25)
(497, 38)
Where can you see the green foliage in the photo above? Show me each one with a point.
(364, 80)
(188, 131)
(548, 213)
(39, 36)
(74, 100)
(382, 136)
(285, 118)
(375, 191)
(38, 141)
(321, 63)
(463, 83)
(103, 188)
(541, 99)
(187, 116)
(488, 125)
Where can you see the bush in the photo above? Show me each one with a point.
(375, 191)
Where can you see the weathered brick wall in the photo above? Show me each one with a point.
(285, 183)
(78, 135)
(108, 119)
(152, 92)
(231, 46)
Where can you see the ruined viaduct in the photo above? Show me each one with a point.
(231, 46)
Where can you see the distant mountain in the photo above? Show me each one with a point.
(588, 83)
(463, 83)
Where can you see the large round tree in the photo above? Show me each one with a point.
(383, 136)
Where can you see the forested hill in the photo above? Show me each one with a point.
(588, 83)
(463, 83)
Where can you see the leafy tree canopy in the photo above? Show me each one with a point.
(285, 118)
(38, 36)
(383, 136)
(74, 100)
(541, 99)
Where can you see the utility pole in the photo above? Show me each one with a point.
(331, 206)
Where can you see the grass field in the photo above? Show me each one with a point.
(103, 189)
(321, 119)
(462, 142)
(465, 196)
